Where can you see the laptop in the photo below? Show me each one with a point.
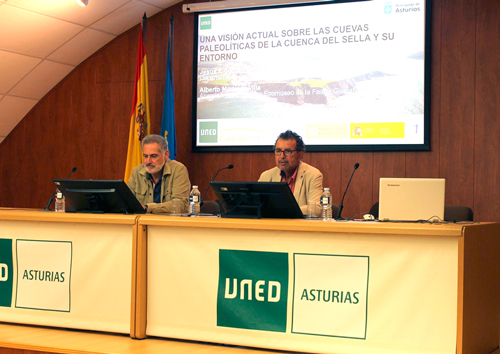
(411, 199)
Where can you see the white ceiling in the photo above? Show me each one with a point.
(42, 41)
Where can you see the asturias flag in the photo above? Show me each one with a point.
(168, 115)
(140, 121)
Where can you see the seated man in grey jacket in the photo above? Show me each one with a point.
(159, 180)
(305, 181)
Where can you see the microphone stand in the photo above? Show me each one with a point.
(228, 167)
(47, 208)
(341, 206)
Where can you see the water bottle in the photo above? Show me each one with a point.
(194, 202)
(60, 202)
(326, 205)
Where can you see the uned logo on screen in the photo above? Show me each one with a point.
(208, 132)
(206, 22)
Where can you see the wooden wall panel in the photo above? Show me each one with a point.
(117, 58)
(34, 134)
(330, 165)
(85, 120)
(457, 100)
(358, 199)
(487, 126)
(211, 163)
(14, 351)
(426, 163)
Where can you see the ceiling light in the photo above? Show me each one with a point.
(82, 2)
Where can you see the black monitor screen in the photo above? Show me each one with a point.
(99, 196)
(257, 200)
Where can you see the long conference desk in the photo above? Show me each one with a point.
(295, 285)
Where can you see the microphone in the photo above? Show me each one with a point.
(341, 206)
(228, 167)
(47, 208)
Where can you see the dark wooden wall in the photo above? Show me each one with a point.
(84, 121)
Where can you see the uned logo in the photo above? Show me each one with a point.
(253, 290)
(6, 275)
(206, 23)
(208, 132)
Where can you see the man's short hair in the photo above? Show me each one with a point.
(154, 138)
(289, 135)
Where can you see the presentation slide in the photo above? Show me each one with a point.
(342, 75)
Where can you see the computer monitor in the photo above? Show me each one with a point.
(99, 196)
(255, 200)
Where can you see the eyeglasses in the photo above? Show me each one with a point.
(287, 152)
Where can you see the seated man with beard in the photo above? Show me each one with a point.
(159, 180)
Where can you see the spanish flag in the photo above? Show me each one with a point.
(140, 121)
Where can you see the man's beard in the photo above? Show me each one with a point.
(156, 168)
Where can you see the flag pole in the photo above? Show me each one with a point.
(168, 114)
